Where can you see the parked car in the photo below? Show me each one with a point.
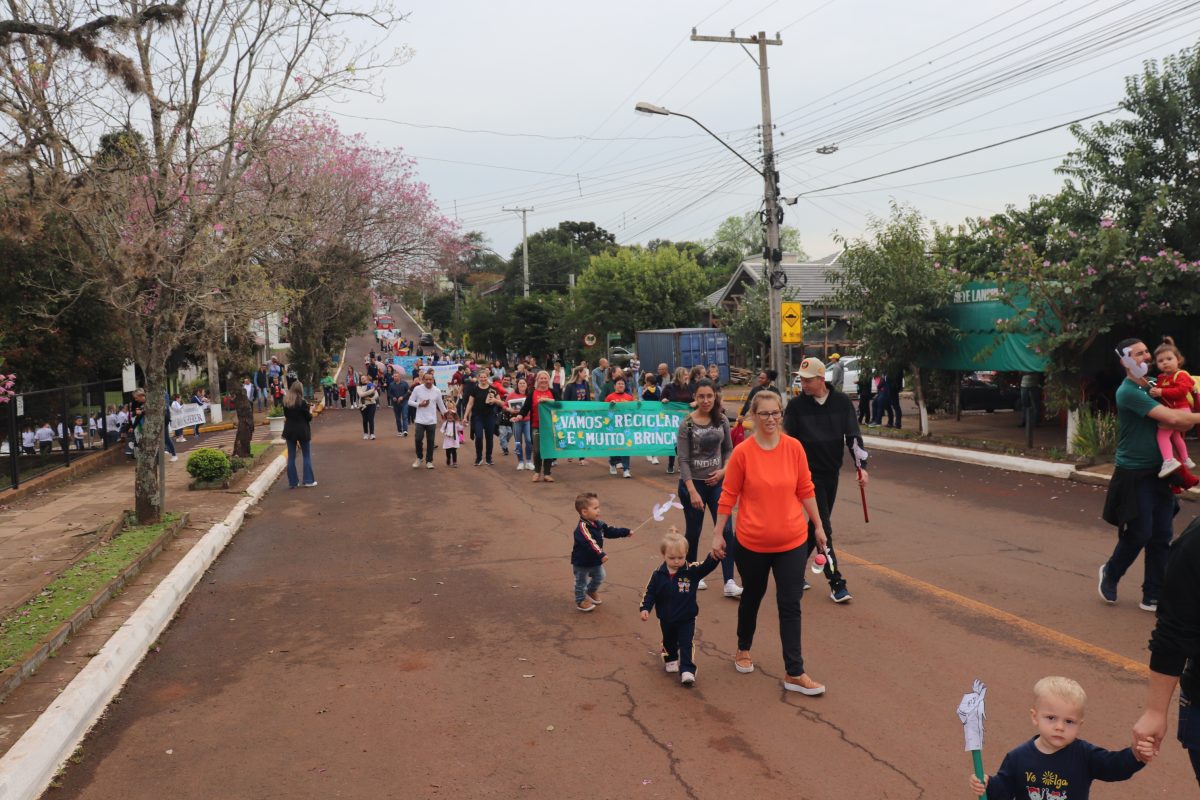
(620, 356)
(985, 391)
(426, 340)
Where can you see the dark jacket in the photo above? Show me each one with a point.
(527, 406)
(296, 421)
(674, 596)
(589, 542)
(1175, 643)
(823, 429)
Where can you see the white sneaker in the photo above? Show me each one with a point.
(529, 466)
(372, 436)
(612, 470)
(417, 463)
(174, 458)
(687, 679)
(583, 461)
(520, 466)
(1189, 464)
(1169, 466)
(429, 465)
(672, 666)
(364, 437)
(702, 584)
(628, 474)
(310, 485)
(180, 439)
(732, 589)
(653, 459)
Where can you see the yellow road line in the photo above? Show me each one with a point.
(1056, 638)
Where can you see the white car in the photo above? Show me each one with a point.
(850, 369)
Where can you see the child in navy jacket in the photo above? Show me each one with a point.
(588, 556)
(672, 588)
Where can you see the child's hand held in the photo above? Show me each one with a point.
(977, 787)
(645, 615)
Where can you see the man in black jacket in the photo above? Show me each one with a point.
(824, 421)
(1175, 650)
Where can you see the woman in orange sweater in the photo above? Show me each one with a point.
(768, 480)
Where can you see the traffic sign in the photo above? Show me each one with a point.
(792, 329)
(589, 340)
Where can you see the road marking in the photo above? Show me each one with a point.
(1056, 638)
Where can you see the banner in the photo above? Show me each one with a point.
(585, 430)
(190, 414)
(406, 363)
(442, 373)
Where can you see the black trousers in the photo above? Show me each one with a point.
(826, 486)
(425, 437)
(368, 416)
(864, 406)
(677, 643)
(482, 430)
(788, 568)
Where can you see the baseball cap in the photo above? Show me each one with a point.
(811, 368)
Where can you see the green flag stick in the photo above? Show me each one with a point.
(971, 713)
(977, 759)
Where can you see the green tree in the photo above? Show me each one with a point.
(634, 289)
(894, 284)
(532, 324)
(486, 325)
(1142, 167)
(746, 235)
(439, 310)
(554, 255)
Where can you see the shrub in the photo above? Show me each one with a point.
(1095, 434)
(209, 464)
(275, 411)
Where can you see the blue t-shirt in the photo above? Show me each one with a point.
(1137, 445)
(1028, 773)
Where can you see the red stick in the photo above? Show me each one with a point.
(862, 490)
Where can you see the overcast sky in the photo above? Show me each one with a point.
(891, 84)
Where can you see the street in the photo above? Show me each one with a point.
(411, 633)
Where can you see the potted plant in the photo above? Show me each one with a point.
(275, 419)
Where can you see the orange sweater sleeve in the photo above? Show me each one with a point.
(768, 487)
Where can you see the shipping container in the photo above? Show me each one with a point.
(684, 347)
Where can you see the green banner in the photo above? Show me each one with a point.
(586, 430)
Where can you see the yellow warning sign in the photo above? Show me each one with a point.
(793, 323)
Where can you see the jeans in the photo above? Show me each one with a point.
(481, 431)
(170, 445)
(826, 486)
(1152, 531)
(505, 434)
(693, 519)
(368, 418)
(619, 461)
(677, 643)
(881, 403)
(260, 398)
(1189, 731)
(306, 450)
(425, 436)
(788, 567)
(587, 580)
(521, 436)
(539, 465)
(400, 412)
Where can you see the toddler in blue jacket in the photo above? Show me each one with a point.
(672, 588)
(587, 555)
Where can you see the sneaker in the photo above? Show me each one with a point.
(732, 589)
(628, 474)
(807, 585)
(595, 598)
(372, 436)
(583, 461)
(180, 439)
(520, 466)
(653, 459)
(702, 584)
(529, 466)
(1107, 589)
(672, 666)
(404, 434)
(804, 685)
(872, 424)
(479, 463)
(310, 485)
(398, 433)
(687, 679)
(490, 463)
(612, 470)
(365, 437)
(417, 464)
(428, 465)
(1148, 605)
(742, 662)
(174, 458)
(504, 453)
(1189, 464)
(670, 470)
(1169, 466)
(585, 605)
(841, 595)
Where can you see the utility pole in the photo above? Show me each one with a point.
(772, 254)
(524, 212)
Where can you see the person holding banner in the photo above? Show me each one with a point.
(541, 390)
(768, 481)
(703, 447)
(619, 395)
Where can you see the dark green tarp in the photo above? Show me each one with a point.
(980, 347)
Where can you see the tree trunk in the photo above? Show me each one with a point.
(245, 423)
(146, 485)
(1072, 426)
(918, 390)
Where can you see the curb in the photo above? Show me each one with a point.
(1032, 466)
(27, 769)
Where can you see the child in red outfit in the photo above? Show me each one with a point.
(1174, 388)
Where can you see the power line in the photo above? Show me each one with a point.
(515, 135)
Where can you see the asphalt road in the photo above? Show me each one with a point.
(410, 633)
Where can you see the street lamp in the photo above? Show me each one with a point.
(772, 255)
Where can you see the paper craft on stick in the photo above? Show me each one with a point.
(660, 510)
(971, 712)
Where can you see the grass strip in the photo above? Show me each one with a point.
(258, 448)
(26, 626)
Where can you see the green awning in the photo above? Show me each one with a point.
(980, 346)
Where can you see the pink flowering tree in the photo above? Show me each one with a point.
(164, 229)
